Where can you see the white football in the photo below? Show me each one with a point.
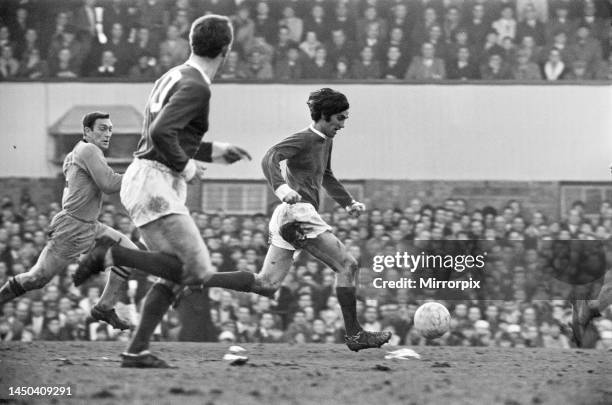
(432, 320)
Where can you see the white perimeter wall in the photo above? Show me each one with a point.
(427, 132)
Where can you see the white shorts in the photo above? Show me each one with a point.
(300, 212)
(151, 190)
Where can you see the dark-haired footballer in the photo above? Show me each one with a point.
(74, 228)
(296, 224)
(154, 188)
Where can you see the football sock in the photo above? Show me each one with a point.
(158, 264)
(233, 280)
(156, 303)
(348, 304)
(10, 290)
(115, 285)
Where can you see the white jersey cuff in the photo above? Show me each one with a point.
(218, 152)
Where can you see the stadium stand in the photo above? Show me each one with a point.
(140, 40)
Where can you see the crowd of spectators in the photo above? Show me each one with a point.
(416, 40)
(529, 311)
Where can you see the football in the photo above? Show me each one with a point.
(432, 320)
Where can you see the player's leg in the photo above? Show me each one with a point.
(276, 265)
(178, 235)
(328, 249)
(47, 266)
(116, 283)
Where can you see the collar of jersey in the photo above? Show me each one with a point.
(321, 134)
(204, 75)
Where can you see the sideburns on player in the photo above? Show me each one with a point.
(74, 228)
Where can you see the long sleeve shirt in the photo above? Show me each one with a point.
(176, 119)
(308, 156)
(87, 177)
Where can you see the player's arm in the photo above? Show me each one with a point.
(336, 190)
(220, 152)
(188, 101)
(92, 160)
(270, 165)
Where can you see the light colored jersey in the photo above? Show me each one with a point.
(87, 177)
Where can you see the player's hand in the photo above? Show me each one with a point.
(200, 173)
(356, 208)
(228, 153)
(235, 153)
(292, 197)
(610, 167)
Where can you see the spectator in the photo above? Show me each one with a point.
(554, 69)
(365, 25)
(317, 23)
(310, 44)
(524, 69)
(531, 26)
(400, 18)
(495, 69)
(393, 68)
(232, 69)
(426, 66)
(123, 51)
(586, 49)
(294, 24)
(62, 65)
(145, 44)
(560, 23)
(144, 68)
(554, 339)
(84, 20)
(174, 46)
(435, 38)
(267, 331)
(579, 71)
(462, 67)
(283, 44)
(533, 51)
(598, 27)
(107, 66)
(257, 67)
(490, 47)
(506, 26)
(342, 71)
(340, 47)
(67, 40)
(154, 15)
(452, 23)
(342, 21)
(182, 20)
(420, 32)
(319, 67)
(244, 29)
(9, 65)
(265, 26)
(366, 67)
(477, 26)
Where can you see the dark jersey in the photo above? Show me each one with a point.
(176, 119)
(308, 157)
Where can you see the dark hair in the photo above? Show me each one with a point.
(90, 118)
(326, 102)
(211, 35)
